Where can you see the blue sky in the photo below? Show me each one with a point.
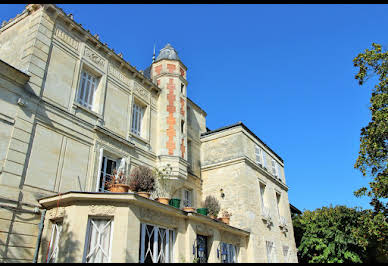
(285, 71)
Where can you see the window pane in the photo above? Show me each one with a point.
(99, 240)
(154, 244)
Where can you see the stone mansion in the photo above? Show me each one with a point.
(72, 110)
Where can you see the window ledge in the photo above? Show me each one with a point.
(77, 105)
(133, 135)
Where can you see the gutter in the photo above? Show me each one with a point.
(41, 225)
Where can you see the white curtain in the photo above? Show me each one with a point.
(99, 240)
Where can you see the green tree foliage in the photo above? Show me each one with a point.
(329, 235)
(341, 235)
(373, 155)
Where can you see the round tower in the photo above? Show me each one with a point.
(170, 74)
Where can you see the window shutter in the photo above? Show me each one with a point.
(273, 167)
(258, 152)
(264, 158)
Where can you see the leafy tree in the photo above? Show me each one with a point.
(373, 154)
(329, 235)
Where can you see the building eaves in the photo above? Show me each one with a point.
(295, 209)
(196, 105)
(13, 73)
(247, 129)
(104, 45)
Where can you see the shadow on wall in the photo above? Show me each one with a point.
(69, 248)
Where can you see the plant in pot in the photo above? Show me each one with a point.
(212, 205)
(142, 181)
(225, 216)
(162, 179)
(117, 183)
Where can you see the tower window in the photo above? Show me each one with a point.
(182, 126)
(182, 87)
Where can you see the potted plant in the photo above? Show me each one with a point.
(117, 183)
(142, 181)
(212, 205)
(162, 177)
(225, 216)
(188, 209)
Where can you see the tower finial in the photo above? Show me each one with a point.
(153, 56)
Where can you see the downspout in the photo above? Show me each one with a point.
(41, 225)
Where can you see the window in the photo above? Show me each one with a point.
(87, 89)
(258, 154)
(286, 253)
(182, 127)
(156, 244)
(228, 253)
(98, 240)
(264, 158)
(262, 191)
(187, 198)
(278, 171)
(137, 118)
(273, 164)
(271, 257)
(54, 241)
(278, 203)
(201, 249)
(106, 171)
(182, 87)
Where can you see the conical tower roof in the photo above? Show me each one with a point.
(168, 52)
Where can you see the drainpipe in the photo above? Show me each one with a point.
(41, 225)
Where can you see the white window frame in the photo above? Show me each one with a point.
(98, 245)
(137, 118)
(278, 171)
(87, 89)
(104, 159)
(185, 200)
(155, 253)
(264, 158)
(273, 167)
(259, 156)
(54, 241)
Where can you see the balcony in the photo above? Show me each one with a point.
(127, 221)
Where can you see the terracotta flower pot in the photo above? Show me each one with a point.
(163, 200)
(188, 209)
(225, 220)
(144, 194)
(120, 188)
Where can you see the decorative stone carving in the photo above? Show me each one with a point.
(66, 38)
(151, 216)
(93, 56)
(103, 210)
(119, 75)
(141, 92)
(204, 230)
(54, 213)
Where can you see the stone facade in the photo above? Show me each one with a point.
(56, 138)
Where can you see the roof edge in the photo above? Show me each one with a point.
(247, 129)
